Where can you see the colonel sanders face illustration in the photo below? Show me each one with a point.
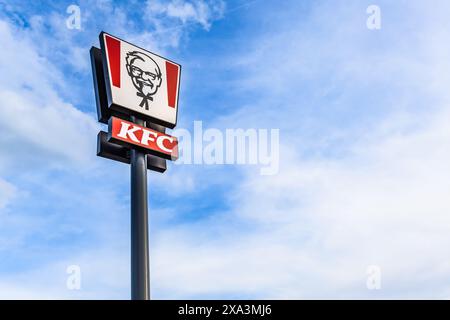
(145, 74)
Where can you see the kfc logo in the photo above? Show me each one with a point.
(139, 82)
(145, 74)
(154, 142)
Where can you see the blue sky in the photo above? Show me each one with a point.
(364, 151)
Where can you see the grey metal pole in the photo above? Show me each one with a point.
(140, 271)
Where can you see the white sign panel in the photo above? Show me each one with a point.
(139, 82)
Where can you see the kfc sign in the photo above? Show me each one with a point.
(151, 141)
(136, 94)
(139, 82)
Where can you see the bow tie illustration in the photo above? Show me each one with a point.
(145, 99)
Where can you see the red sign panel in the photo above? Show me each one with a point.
(155, 142)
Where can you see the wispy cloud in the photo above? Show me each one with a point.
(364, 166)
(7, 193)
(189, 12)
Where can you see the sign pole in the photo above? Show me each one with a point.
(140, 271)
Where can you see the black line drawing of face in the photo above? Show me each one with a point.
(145, 75)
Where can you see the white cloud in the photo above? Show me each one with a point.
(198, 12)
(104, 274)
(7, 192)
(35, 120)
(312, 230)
